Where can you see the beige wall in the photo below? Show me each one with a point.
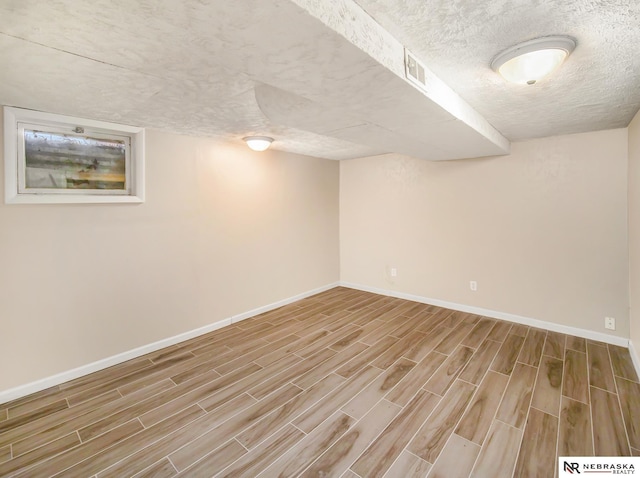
(634, 229)
(543, 230)
(223, 231)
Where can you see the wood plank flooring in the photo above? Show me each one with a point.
(344, 383)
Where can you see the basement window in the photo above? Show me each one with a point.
(53, 158)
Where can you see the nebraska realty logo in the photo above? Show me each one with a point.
(597, 465)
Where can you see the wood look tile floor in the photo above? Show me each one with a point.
(344, 383)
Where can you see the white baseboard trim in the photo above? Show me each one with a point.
(42, 384)
(541, 324)
(634, 357)
(275, 305)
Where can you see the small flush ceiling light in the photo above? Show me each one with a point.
(258, 143)
(533, 60)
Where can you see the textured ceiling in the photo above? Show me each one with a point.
(323, 78)
(169, 65)
(597, 88)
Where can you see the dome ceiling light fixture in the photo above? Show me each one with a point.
(530, 61)
(258, 143)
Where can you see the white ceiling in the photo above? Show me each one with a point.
(323, 78)
(597, 88)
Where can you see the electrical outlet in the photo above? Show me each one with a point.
(473, 285)
(394, 272)
(610, 323)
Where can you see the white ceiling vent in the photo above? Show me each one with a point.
(414, 70)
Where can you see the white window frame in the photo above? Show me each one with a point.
(16, 120)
